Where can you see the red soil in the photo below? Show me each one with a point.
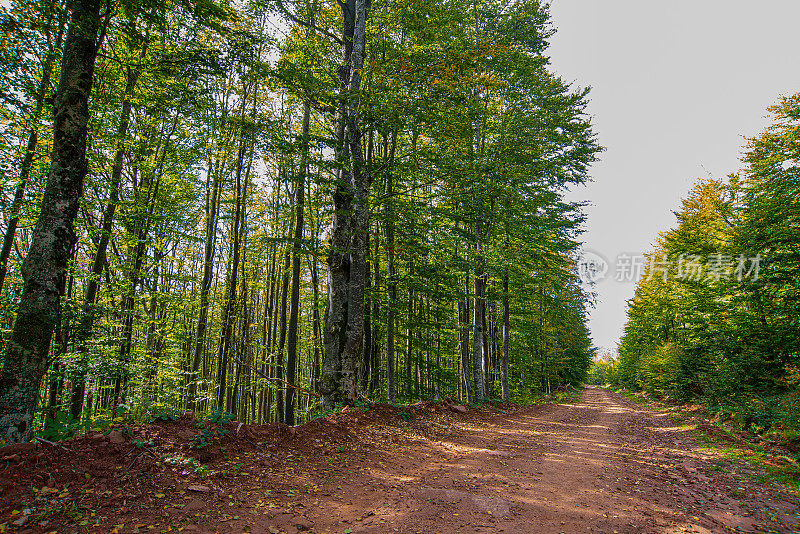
(600, 465)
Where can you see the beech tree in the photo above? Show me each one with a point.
(26, 355)
(293, 205)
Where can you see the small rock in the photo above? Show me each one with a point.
(458, 408)
(115, 436)
(303, 525)
(21, 521)
(199, 489)
(11, 458)
(274, 530)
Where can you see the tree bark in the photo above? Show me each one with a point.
(391, 276)
(44, 267)
(213, 190)
(229, 313)
(279, 361)
(294, 315)
(344, 329)
(477, 336)
(463, 311)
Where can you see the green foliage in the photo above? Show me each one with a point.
(141, 443)
(720, 322)
(219, 96)
(210, 429)
(164, 413)
(60, 426)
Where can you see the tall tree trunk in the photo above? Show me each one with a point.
(344, 329)
(213, 191)
(89, 313)
(366, 347)
(409, 337)
(376, 307)
(506, 340)
(279, 361)
(316, 323)
(138, 252)
(463, 339)
(142, 222)
(229, 313)
(44, 267)
(488, 315)
(477, 336)
(300, 203)
(391, 276)
(245, 359)
(30, 152)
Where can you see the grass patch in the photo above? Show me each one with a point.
(767, 466)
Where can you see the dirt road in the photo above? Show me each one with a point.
(600, 465)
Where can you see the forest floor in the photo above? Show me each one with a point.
(599, 464)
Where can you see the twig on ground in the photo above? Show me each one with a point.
(42, 440)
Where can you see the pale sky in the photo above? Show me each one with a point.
(676, 86)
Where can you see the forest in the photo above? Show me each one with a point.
(269, 209)
(715, 317)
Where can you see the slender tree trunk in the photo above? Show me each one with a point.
(294, 316)
(316, 323)
(279, 361)
(366, 347)
(30, 152)
(376, 306)
(463, 310)
(142, 222)
(506, 341)
(213, 191)
(44, 267)
(229, 313)
(89, 314)
(409, 337)
(488, 315)
(138, 251)
(245, 359)
(477, 337)
(391, 276)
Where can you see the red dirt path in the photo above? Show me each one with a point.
(602, 464)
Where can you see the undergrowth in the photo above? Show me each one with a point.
(782, 468)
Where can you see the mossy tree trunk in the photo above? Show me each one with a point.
(44, 267)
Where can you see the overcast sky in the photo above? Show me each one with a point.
(676, 86)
